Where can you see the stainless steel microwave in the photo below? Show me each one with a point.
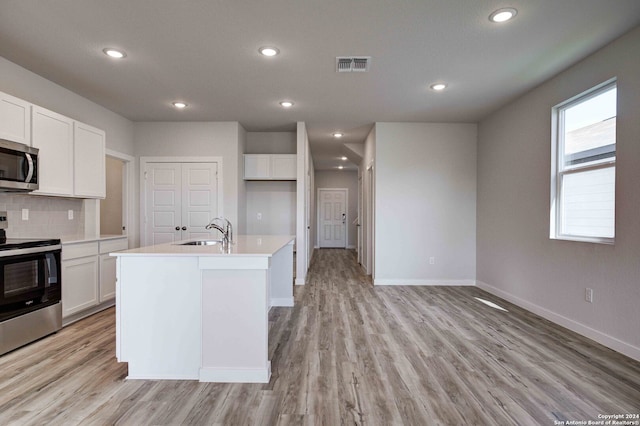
(18, 167)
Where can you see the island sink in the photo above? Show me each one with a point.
(201, 243)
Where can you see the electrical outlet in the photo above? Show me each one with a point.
(259, 216)
(432, 261)
(25, 214)
(70, 214)
(588, 295)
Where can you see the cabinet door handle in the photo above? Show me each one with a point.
(177, 228)
(184, 228)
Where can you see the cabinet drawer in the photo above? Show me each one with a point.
(108, 246)
(76, 250)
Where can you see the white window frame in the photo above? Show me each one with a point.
(558, 171)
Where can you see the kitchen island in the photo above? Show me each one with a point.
(200, 312)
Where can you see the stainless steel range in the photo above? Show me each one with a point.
(30, 289)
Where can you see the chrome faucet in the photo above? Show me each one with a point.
(227, 231)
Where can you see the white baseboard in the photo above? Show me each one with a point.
(385, 281)
(231, 375)
(282, 301)
(600, 337)
(299, 281)
(160, 377)
(88, 312)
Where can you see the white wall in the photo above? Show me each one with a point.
(214, 139)
(305, 205)
(274, 200)
(516, 258)
(24, 84)
(425, 203)
(276, 203)
(367, 172)
(271, 143)
(45, 217)
(241, 227)
(341, 179)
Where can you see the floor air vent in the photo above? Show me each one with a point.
(353, 64)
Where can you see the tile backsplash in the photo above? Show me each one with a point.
(48, 216)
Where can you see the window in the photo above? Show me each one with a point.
(584, 166)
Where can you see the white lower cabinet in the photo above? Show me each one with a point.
(108, 267)
(107, 277)
(89, 275)
(79, 277)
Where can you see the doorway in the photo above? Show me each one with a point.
(332, 217)
(360, 219)
(111, 208)
(115, 213)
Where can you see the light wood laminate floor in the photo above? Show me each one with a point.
(347, 353)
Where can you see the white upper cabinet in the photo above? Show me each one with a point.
(15, 119)
(257, 166)
(283, 167)
(53, 136)
(71, 160)
(270, 166)
(88, 161)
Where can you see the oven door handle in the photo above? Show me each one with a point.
(30, 250)
(30, 172)
(47, 270)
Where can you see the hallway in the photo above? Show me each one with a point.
(347, 353)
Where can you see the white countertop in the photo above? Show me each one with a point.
(243, 245)
(73, 239)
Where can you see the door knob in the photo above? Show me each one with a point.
(184, 228)
(177, 228)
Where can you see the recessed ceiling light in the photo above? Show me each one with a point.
(343, 158)
(341, 167)
(114, 53)
(503, 15)
(286, 104)
(269, 51)
(179, 104)
(338, 135)
(438, 87)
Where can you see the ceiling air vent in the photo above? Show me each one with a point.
(353, 64)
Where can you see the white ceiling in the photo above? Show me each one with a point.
(205, 52)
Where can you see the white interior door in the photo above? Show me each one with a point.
(163, 183)
(333, 217)
(199, 199)
(180, 200)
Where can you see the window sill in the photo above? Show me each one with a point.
(596, 240)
